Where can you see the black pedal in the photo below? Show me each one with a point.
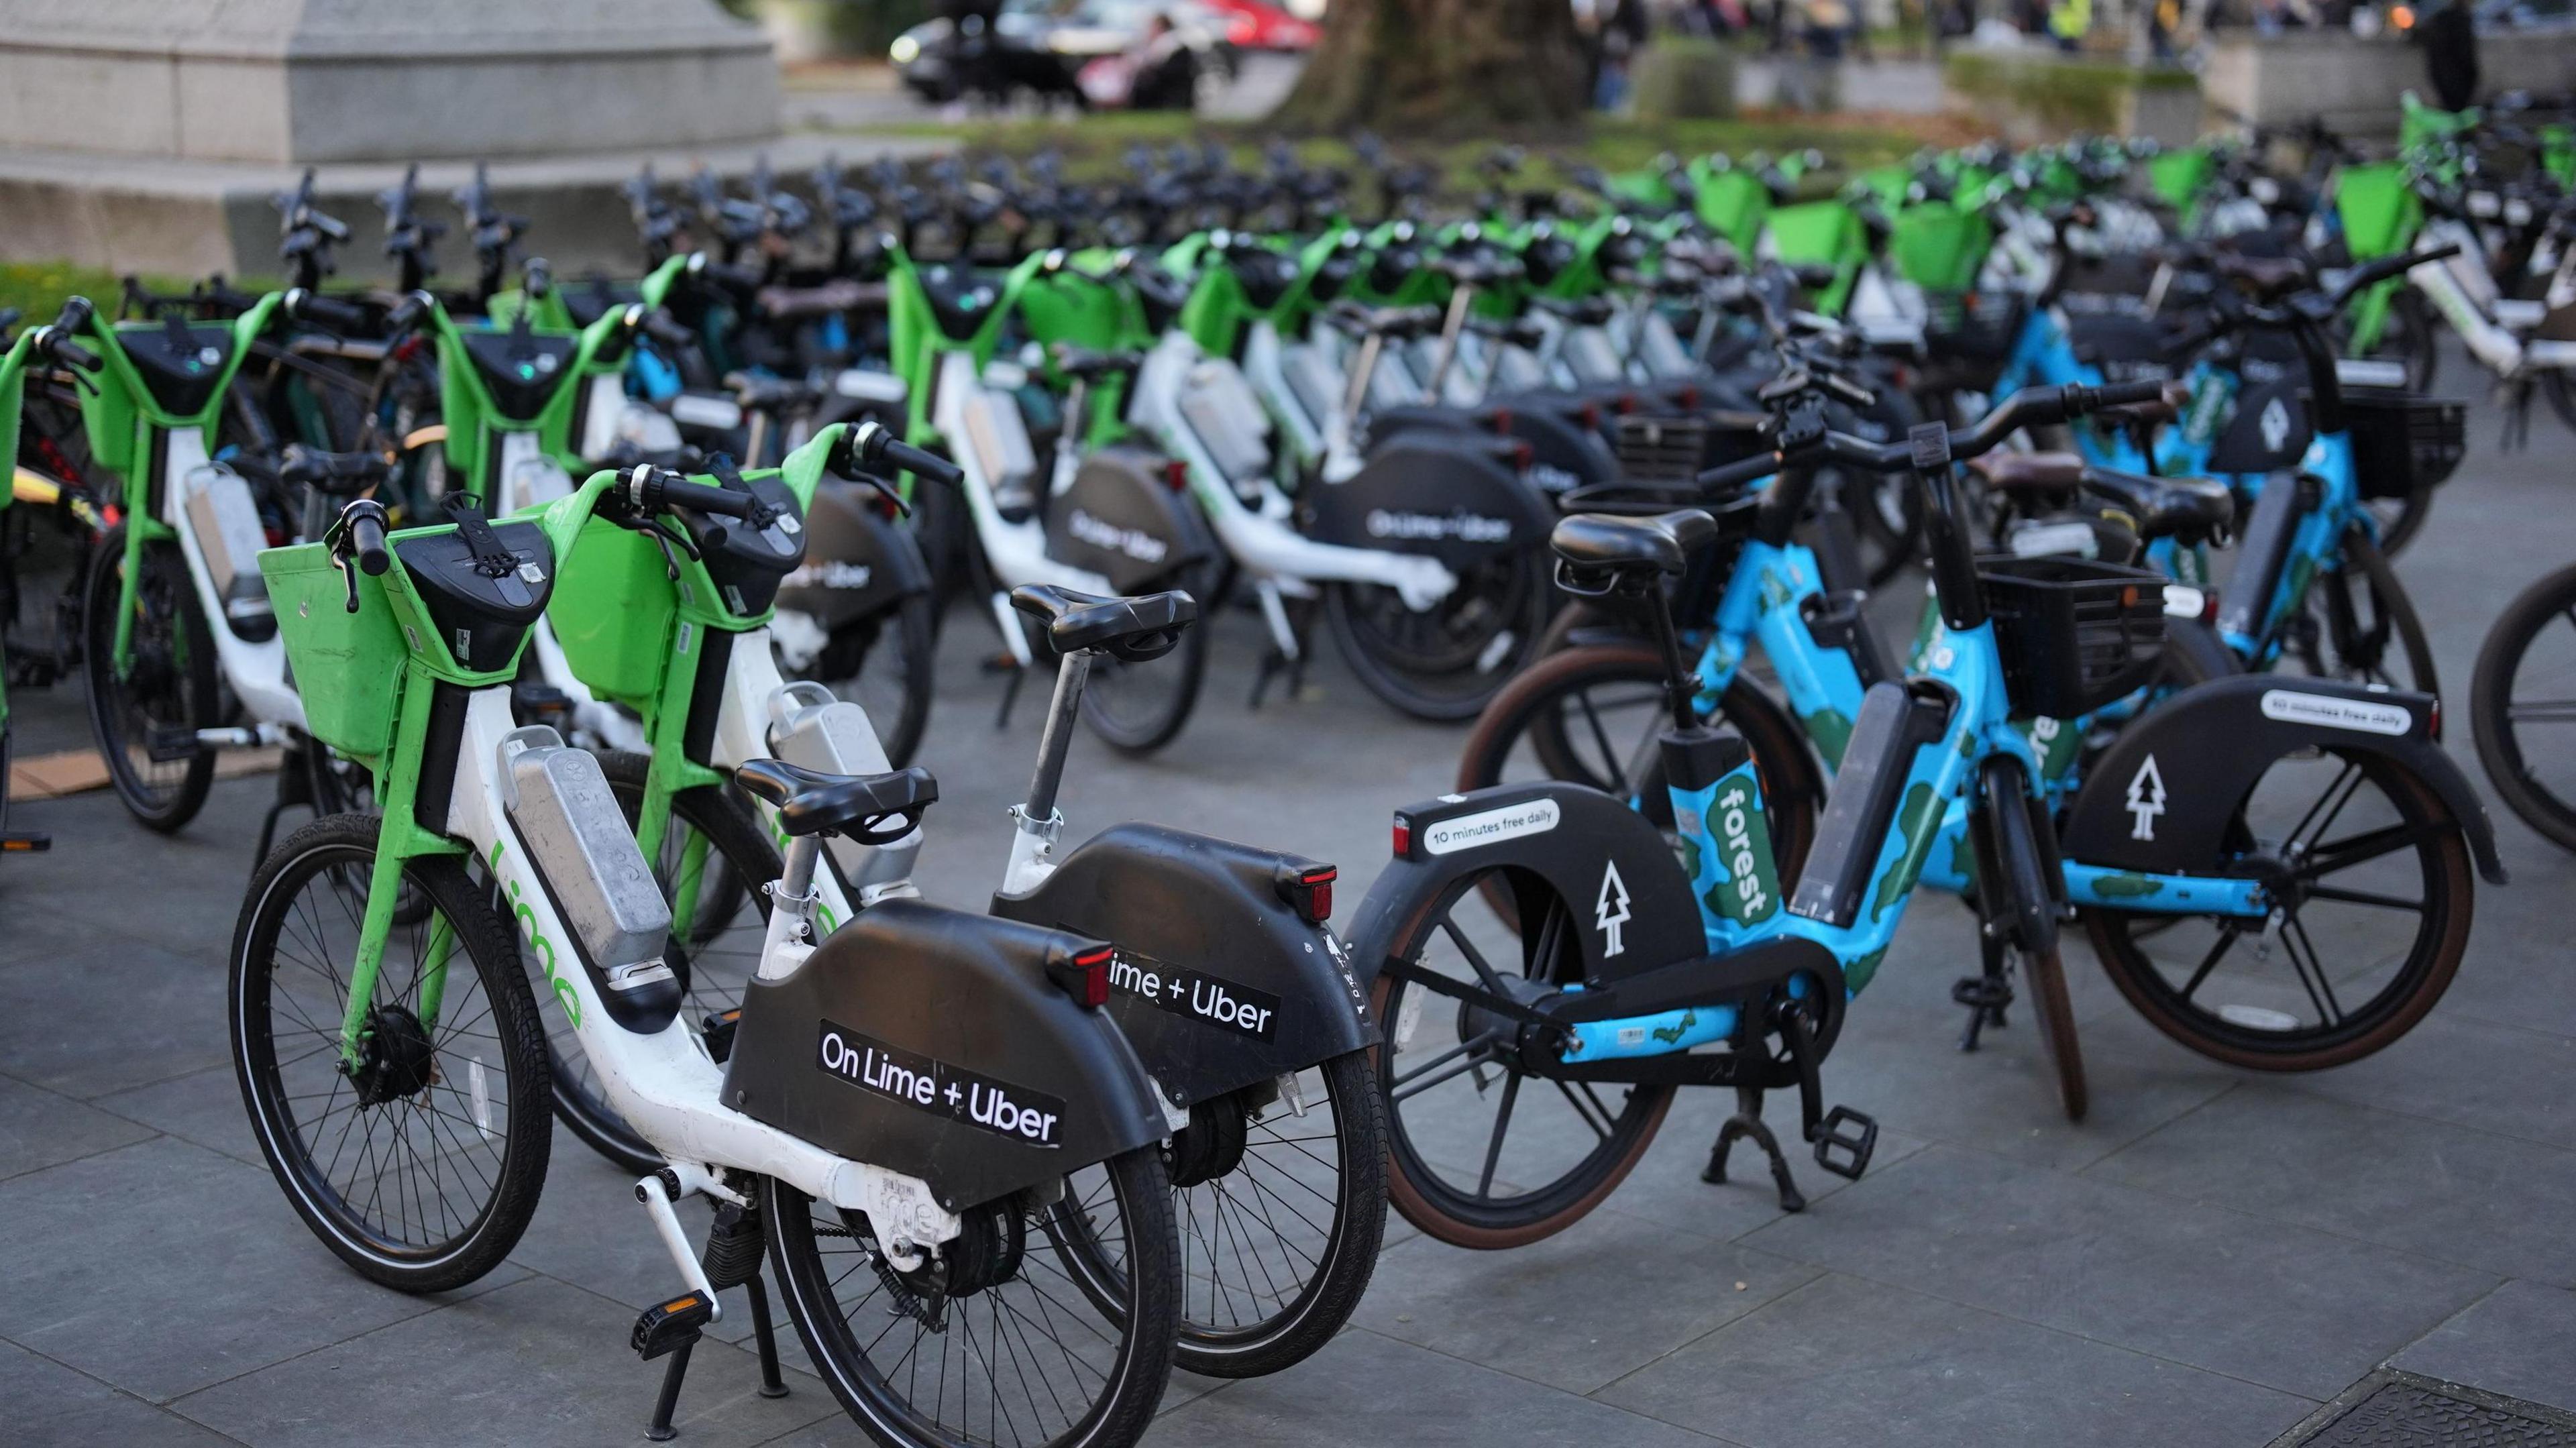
(1842, 1150)
(717, 1031)
(677, 1323)
(25, 842)
(170, 743)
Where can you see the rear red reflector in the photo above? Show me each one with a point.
(1176, 475)
(1085, 977)
(1403, 838)
(1317, 887)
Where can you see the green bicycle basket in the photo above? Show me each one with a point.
(347, 666)
(611, 609)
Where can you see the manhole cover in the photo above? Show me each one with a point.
(2391, 1409)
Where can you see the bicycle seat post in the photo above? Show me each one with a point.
(1038, 822)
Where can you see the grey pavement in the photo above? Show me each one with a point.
(2204, 1262)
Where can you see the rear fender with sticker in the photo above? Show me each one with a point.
(1631, 902)
(2161, 798)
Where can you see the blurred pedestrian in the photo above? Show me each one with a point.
(2068, 20)
(2450, 40)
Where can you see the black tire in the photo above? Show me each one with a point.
(2515, 740)
(1139, 708)
(171, 682)
(1548, 1190)
(2162, 963)
(886, 664)
(299, 924)
(2034, 931)
(1130, 1350)
(1444, 664)
(715, 957)
(1310, 1286)
(1615, 692)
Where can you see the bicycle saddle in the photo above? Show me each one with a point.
(2270, 278)
(872, 809)
(771, 394)
(335, 474)
(2191, 509)
(1133, 630)
(1092, 366)
(1663, 542)
(1394, 322)
(1576, 311)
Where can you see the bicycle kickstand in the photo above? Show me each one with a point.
(1746, 1123)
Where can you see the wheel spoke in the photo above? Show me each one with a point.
(2227, 934)
(1494, 1146)
(2364, 897)
(2358, 849)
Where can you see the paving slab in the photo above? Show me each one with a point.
(49, 1404)
(1366, 1391)
(1577, 1311)
(2297, 1310)
(2519, 1340)
(39, 1129)
(532, 1364)
(2444, 1192)
(125, 1014)
(1843, 1361)
(163, 1267)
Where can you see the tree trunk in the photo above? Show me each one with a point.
(1407, 67)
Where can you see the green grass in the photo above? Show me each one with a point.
(1094, 146)
(38, 289)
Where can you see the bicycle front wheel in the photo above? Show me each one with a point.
(418, 1160)
(2522, 706)
(166, 692)
(1446, 661)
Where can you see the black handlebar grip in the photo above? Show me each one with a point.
(924, 463)
(367, 544)
(662, 327)
(74, 316)
(63, 349)
(699, 498)
(408, 313)
(2113, 394)
(324, 311)
(1760, 465)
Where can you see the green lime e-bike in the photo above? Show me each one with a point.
(45, 347)
(945, 1147)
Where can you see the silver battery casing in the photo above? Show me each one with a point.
(568, 818)
(225, 522)
(812, 730)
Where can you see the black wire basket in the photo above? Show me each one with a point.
(1662, 449)
(2403, 444)
(2075, 633)
(1973, 326)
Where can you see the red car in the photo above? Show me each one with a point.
(1258, 25)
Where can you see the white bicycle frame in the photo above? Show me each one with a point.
(2466, 295)
(664, 1084)
(1017, 551)
(256, 672)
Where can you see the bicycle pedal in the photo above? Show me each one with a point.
(170, 743)
(26, 842)
(717, 1031)
(1839, 1149)
(666, 1326)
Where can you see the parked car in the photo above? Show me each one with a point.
(1039, 45)
(1260, 25)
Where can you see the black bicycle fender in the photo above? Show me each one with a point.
(857, 560)
(1631, 903)
(1428, 490)
(1218, 981)
(934, 1043)
(1121, 519)
(2160, 799)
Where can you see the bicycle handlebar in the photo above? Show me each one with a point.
(57, 340)
(870, 445)
(2030, 407)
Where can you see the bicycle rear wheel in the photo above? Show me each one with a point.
(420, 1162)
(167, 689)
(995, 1344)
(1139, 708)
(1444, 662)
(1455, 1096)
